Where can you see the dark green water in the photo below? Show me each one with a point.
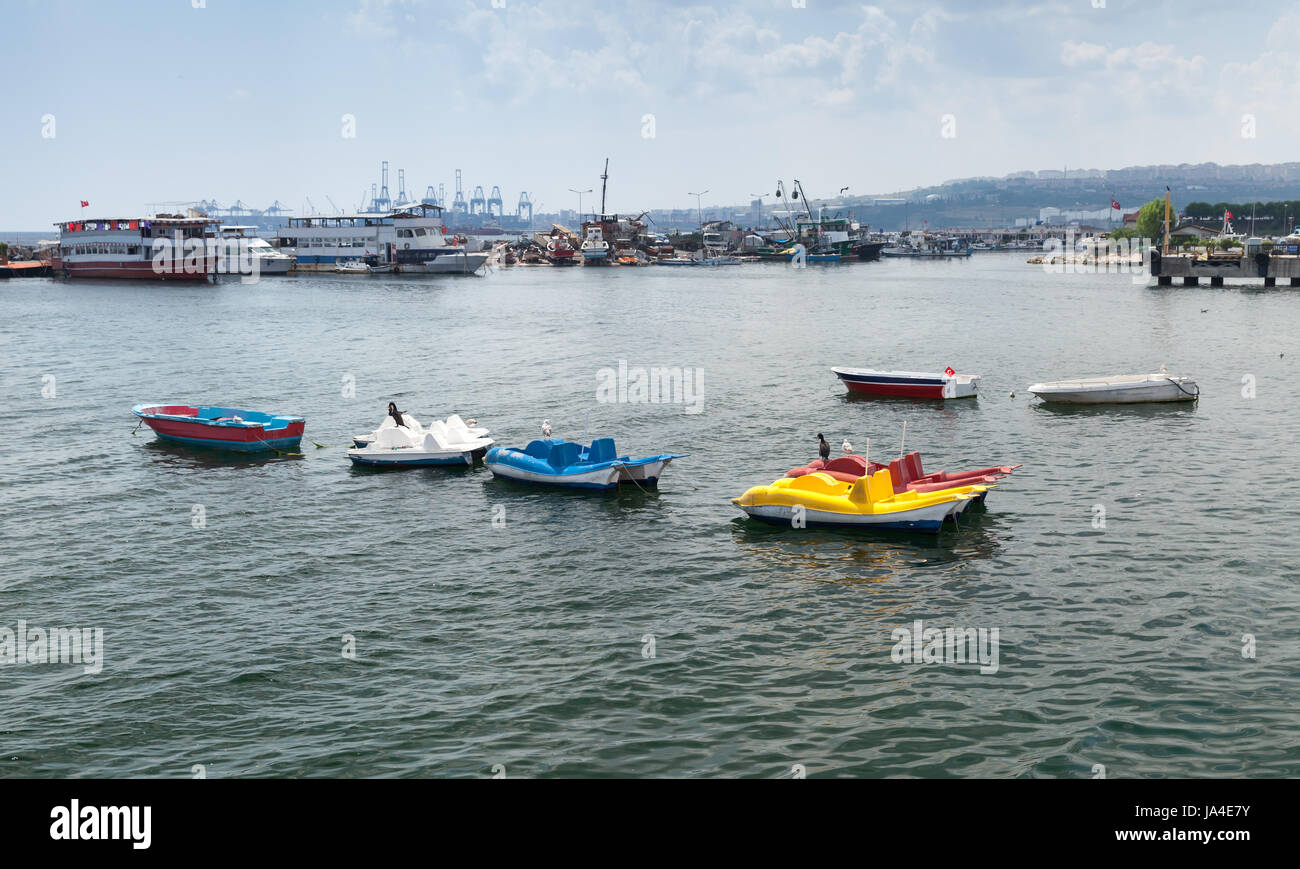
(522, 645)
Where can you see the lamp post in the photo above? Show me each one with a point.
(698, 208)
(579, 192)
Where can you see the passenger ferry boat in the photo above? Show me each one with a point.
(124, 247)
(411, 239)
(321, 242)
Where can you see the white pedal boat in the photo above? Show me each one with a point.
(1118, 389)
(453, 424)
(399, 446)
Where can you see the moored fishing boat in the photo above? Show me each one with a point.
(1119, 389)
(909, 384)
(557, 462)
(595, 249)
(225, 428)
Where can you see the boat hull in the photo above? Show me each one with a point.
(409, 458)
(601, 479)
(907, 385)
(136, 270)
(462, 263)
(1118, 391)
(927, 520)
(250, 439)
(644, 474)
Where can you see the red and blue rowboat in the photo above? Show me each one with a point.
(909, 384)
(224, 428)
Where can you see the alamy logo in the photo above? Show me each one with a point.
(26, 645)
(922, 645)
(76, 821)
(669, 385)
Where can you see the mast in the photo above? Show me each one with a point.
(603, 178)
(1166, 247)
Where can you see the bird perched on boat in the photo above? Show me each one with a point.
(395, 414)
(471, 422)
(823, 448)
(546, 428)
(847, 447)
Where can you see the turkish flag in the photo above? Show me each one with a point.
(1115, 205)
(1227, 215)
(949, 371)
(84, 203)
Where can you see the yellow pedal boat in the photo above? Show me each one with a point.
(868, 502)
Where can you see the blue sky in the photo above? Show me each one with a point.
(158, 101)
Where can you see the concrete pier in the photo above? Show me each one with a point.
(1265, 267)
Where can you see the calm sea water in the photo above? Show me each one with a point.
(527, 645)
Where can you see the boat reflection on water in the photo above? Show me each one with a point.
(864, 557)
(178, 455)
(1151, 410)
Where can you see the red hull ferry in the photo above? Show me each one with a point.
(134, 248)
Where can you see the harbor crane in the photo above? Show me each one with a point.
(458, 205)
(401, 187)
(478, 202)
(525, 204)
(494, 201)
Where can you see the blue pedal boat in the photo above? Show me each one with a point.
(557, 462)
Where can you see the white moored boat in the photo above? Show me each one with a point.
(405, 446)
(241, 244)
(1119, 389)
(453, 424)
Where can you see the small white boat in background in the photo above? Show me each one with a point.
(1119, 389)
(352, 267)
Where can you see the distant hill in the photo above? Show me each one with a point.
(989, 201)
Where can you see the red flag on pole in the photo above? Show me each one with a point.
(1115, 205)
(84, 203)
(1227, 215)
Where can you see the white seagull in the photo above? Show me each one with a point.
(546, 428)
(847, 447)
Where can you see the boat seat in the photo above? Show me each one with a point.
(847, 465)
(880, 486)
(538, 450)
(914, 469)
(392, 438)
(563, 454)
(602, 450)
(817, 481)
